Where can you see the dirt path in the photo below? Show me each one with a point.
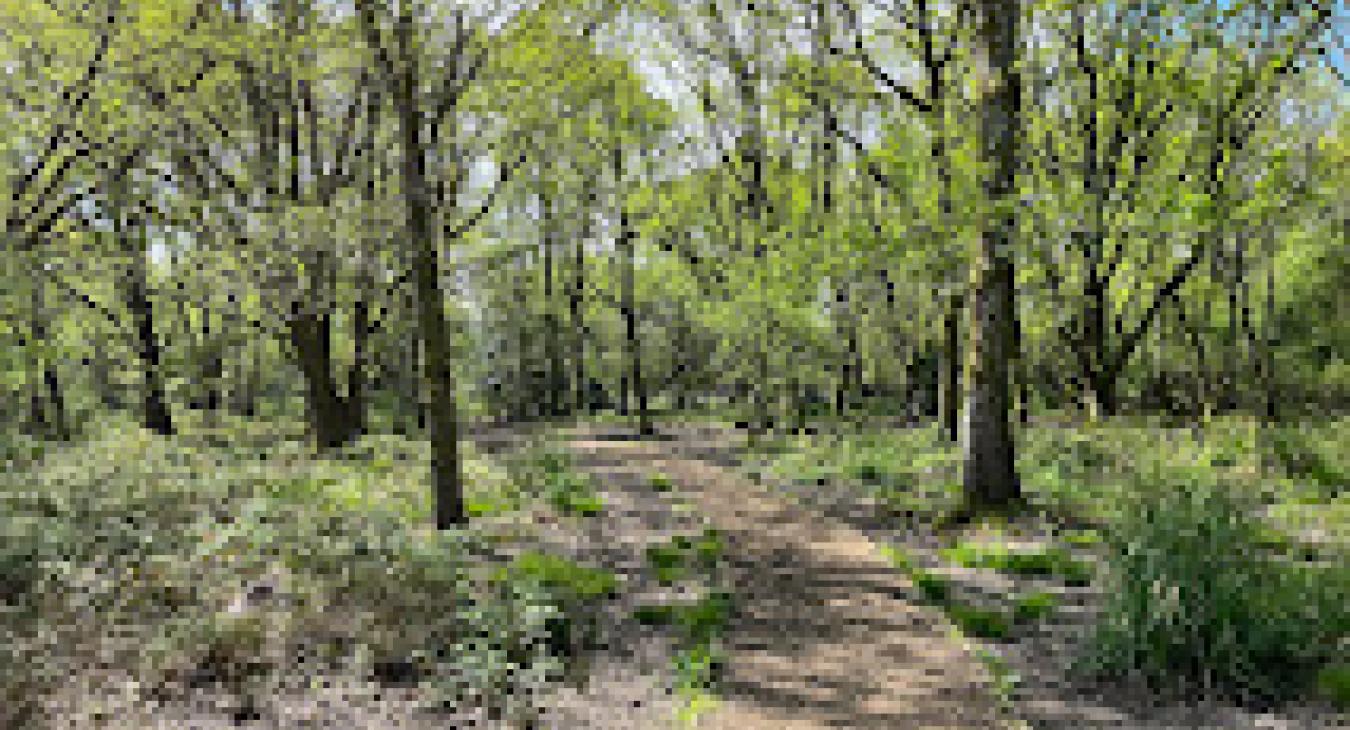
(825, 632)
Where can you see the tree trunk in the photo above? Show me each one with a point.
(438, 376)
(990, 478)
(553, 402)
(949, 391)
(330, 415)
(155, 415)
(576, 301)
(635, 389)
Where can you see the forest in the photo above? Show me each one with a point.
(674, 363)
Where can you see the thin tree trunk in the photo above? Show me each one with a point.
(949, 390)
(552, 346)
(636, 389)
(990, 478)
(1270, 340)
(155, 415)
(438, 376)
(576, 302)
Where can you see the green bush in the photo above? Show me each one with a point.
(1193, 599)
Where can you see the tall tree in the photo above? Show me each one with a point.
(990, 477)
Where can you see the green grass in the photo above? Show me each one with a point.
(1078, 473)
(1193, 597)
(1034, 607)
(681, 556)
(549, 476)
(976, 621)
(934, 587)
(1046, 561)
(1333, 684)
(660, 483)
(575, 581)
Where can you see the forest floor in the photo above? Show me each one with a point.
(787, 583)
(830, 629)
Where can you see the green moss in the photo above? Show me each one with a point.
(660, 483)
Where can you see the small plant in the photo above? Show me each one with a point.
(975, 621)
(660, 483)
(1034, 607)
(567, 491)
(899, 558)
(934, 587)
(675, 560)
(557, 574)
(1005, 679)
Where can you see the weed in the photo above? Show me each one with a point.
(676, 559)
(975, 621)
(1034, 607)
(934, 587)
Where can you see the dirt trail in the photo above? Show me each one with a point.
(826, 633)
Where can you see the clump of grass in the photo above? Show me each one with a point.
(571, 580)
(1082, 538)
(1046, 561)
(984, 623)
(1034, 607)
(678, 558)
(700, 659)
(1005, 680)
(660, 483)
(1193, 598)
(550, 476)
(934, 587)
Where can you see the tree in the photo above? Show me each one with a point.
(990, 476)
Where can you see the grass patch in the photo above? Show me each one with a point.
(980, 622)
(1005, 680)
(1047, 561)
(1034, 607)
(550, 477)
(934, 587)
(575, 581)
(660, 483)
(682, 555)
(1193, 598)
